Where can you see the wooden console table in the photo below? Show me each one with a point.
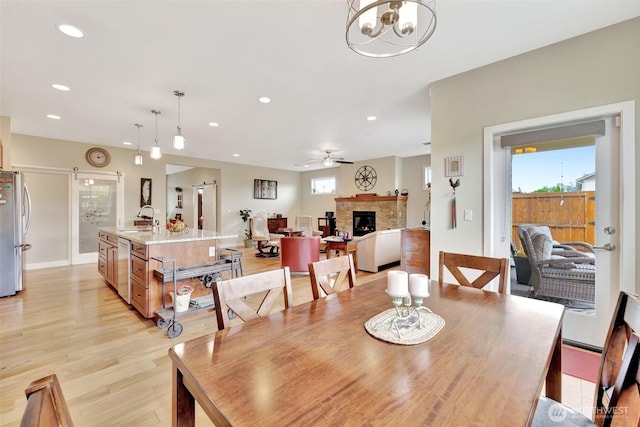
(336, 244)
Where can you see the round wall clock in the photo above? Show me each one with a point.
(98, 157)
(366, 178)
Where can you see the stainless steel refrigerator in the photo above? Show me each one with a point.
(15, 214)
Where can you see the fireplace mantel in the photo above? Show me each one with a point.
(371, 198)
(391, 211)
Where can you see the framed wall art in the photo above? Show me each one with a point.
(265, 189)
(453, 166)
(145, 191)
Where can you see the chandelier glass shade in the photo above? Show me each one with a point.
(138, 160)
(178, 139)
(155, 150)
(385, 28)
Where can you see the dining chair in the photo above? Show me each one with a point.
(331, 274)
(490, 267)
(46, 405)
(617, 394)
(241, 295)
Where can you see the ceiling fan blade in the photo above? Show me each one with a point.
(346, 162)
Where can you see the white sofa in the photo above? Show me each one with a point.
(378, 248)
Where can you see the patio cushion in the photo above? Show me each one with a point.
(542, 245)
(562, 265)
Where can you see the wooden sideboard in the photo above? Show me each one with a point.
(416, 245)
(275, 223)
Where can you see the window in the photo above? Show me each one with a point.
(427, 177)
(326, 185)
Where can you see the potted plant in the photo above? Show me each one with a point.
(245, 214)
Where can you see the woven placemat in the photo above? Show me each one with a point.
(380, 326)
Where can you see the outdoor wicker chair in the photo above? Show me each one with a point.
(558, 270)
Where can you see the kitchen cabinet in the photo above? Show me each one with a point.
(147, 250)
(108, 257)
(416, 247)
(138, 275)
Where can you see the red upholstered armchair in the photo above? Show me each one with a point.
(297, 252)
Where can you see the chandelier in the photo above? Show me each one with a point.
(384, 28)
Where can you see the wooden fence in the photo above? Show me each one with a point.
(570, 216)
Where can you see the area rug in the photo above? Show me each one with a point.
(580, 363)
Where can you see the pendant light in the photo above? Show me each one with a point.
(138, 159)
(178, 139)
(155, 150)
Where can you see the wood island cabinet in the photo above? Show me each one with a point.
(416, 247)
(139, 278)
(108, 258)
(147, 250)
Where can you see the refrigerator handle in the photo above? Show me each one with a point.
(26, 214)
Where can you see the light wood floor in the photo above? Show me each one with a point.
(111, 362)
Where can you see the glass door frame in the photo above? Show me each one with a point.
(76, 180)
(497, 189)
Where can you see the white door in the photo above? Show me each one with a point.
(615, 210)
(96, 201)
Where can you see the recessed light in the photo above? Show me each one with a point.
(372, 118)
(264, 100)
(126, 143)
(53, 116)
(63, 88)
(306, 166)
(71, 31)
(214, 124)
(236, 155)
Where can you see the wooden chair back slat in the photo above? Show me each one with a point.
(490, 267)
(46, 405)
(331, 275)
(617, 395)
(231, 295)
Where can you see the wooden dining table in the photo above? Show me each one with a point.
(315, 364)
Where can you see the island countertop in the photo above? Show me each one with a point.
(147, 237)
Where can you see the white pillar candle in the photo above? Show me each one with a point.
(398, 282)
(419, 285)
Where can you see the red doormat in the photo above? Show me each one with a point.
(580, 363)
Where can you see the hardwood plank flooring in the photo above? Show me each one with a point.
(111, 362)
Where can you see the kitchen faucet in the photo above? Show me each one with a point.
(153, 214)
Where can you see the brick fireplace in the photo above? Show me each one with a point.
(391, 211)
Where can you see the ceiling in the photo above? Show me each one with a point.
(226, 54)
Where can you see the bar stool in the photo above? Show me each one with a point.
(235, 258)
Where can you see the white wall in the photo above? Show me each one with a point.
(598, 68)
(392, 173)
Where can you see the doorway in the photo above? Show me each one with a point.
(96, 201)
(615, 157)
(204, 200)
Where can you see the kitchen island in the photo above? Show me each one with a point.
(139, 287)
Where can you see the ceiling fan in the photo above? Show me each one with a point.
(330, 160)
